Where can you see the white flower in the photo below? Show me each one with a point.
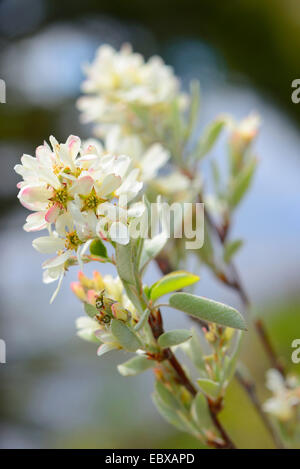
(117, 80)
(246, 130)
(86, 328)
(148, 159)
(72, 187)
(286, 396)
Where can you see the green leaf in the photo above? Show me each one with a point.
(135, 365)
(200, 412)
(98, 249)
(166, 396)
(125, 336)
(208, 310)
(206, 253)
(90, 310)
(231, 248)
(152, 248)
(125, 262)
(194, 106)
(193, 350)
(216, 175)
(171, 338)
(168, 414)
(230, 364)
(209, 387)
(172, 282)
(142, 321)
(241, 183)
(209, 137)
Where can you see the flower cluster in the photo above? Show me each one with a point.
(285, 402)
(106, 297)
(119, 81)
(79, 193)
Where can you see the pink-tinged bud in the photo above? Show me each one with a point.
(92, 296)
(98, 281)
(84, 280)
(119, 312)
(78, 290)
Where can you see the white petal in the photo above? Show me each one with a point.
(104, 348)
(118, 232)
(64, 221)
(130, 186)
(110, 184)
(82, 186)
(57, 261)
(48, 244)
(57, 288)
(35, 197)
(154, 158)
(52, 214)
(73, 144)
(50, 275)
(35, 222)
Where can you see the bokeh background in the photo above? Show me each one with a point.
(54, 391)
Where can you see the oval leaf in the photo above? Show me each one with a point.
(209, 387)
(166, 396)
(242, 183)
(90, 310)
(124, 258)
(135, 365)
(209, 310)
(209, 137)
(169, 414)
(230, 249)
(200, 412)
(172, 282)
(98, 249)
(176, 337)
(125, 336)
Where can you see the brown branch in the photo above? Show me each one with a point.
(156, 323)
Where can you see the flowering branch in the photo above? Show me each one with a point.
(87, 195)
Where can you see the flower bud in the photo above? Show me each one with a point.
(92, 296)
(85, 281)
(119, 312)
(98, 281)
(78, 290)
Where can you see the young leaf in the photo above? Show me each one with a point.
(172, 282)
(194, 106)
(125, 336)
(90, 310)
(152, 247)
(166, 396)
(143, 319)
(168, 414)
(209, 137)
(193, 350)
(98, 249)
(124, 258)
(231, 248)
(230, 364)
(209, 387)
(208, 310)
(200, 412)
(135, 365)
(241, 183)
(171, 338)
